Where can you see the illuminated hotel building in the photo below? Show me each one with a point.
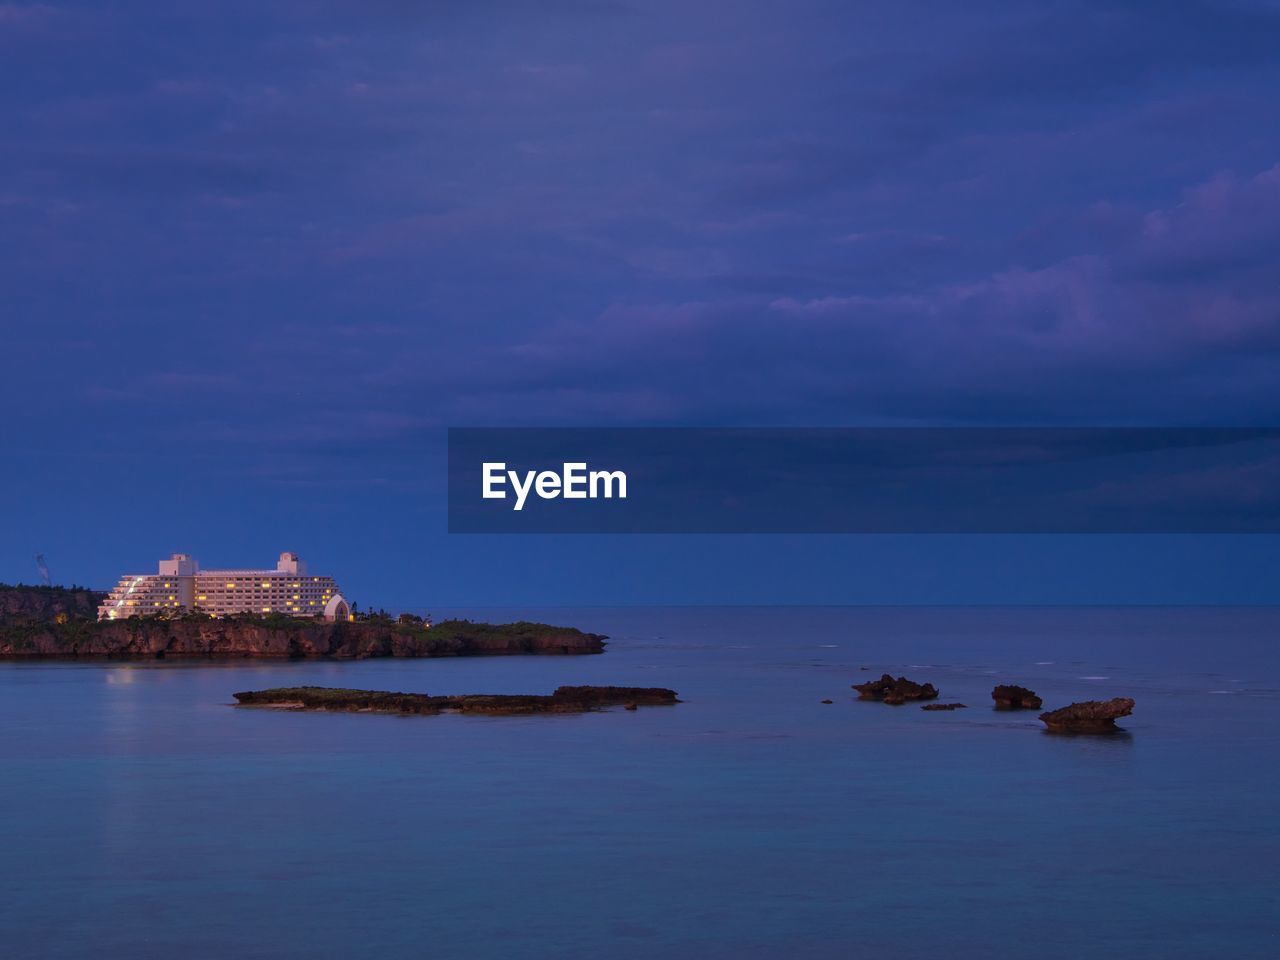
(181, 584)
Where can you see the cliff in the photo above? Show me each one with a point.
(46, 603)
(28, 635)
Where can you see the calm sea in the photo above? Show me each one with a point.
(141, 816)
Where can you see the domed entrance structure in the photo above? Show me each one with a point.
(337, 608)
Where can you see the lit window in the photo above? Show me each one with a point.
(202, 597)
(266, 585)
(231, 586)
(266, 609)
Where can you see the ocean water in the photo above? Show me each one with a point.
(142, 816)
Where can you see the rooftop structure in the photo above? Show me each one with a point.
(180, 584)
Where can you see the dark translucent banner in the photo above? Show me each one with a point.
(864, 480)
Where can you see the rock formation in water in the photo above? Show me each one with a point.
(1091, 716)
(564, 700)
(1010, 697)
(889, 690)
(943, 706)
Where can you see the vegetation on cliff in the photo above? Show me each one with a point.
(48, 603)
(43, 622)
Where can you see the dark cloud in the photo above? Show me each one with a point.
(652, 213)
(1076, 51)
(1105, 336)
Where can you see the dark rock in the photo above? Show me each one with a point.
(943, 706)
(1009, 697)
(1091, 716)
(609, 696)
(889, 690)
(564, 700)
(828, 701)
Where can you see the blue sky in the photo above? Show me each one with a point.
(256, 258)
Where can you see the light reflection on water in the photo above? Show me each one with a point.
(143, 816)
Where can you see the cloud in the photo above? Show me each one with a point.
(706, 213)
(15, 16)
(1080, 51)
(1098, 335)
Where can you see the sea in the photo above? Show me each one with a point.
(142, 815)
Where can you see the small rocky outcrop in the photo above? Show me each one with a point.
(1090, 716)
(564, 700)
(900, 690)
(943, 706)
(1011, 697)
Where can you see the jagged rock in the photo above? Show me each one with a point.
(889, 690)
(1010, 697)
(1091, 716)
(564, 700)
(943, 706)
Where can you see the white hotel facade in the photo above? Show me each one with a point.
(180, 584)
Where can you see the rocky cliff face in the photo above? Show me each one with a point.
(160, 639)
(45, 603)
(37, 628)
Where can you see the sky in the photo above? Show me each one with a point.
(255, 258)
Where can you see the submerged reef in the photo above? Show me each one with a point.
(563, 700)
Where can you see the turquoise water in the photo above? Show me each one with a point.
(142, 816)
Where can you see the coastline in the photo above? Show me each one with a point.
(240, 639)
(49, 624)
